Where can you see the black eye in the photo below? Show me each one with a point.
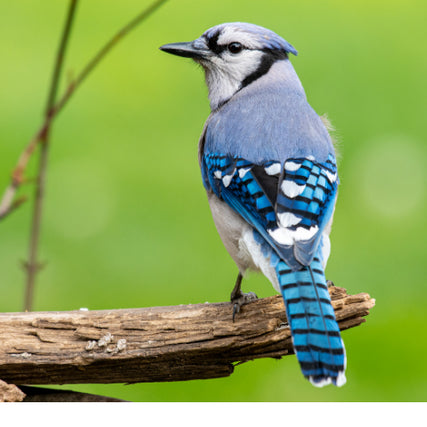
(235, 47)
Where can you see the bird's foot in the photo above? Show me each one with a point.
(241, 299)
(329, 283)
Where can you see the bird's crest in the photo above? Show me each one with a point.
(251, 35)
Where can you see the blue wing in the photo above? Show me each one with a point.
(288, 203)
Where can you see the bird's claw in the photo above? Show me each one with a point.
(329, 283)
(240, 300)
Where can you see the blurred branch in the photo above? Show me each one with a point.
(7, 202)
(17, 174)
(152, 344)
(12, 204)
(91, 65)
(32, 265)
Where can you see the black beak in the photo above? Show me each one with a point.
(185, 49)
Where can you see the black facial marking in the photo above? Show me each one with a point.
(213, 44)
(268, 59)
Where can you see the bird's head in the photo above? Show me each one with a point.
(233, 55)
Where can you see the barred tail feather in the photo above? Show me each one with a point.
(316, 335)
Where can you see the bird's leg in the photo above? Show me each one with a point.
(236, 292)
(238, 298)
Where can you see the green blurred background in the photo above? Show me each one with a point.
(127, 222)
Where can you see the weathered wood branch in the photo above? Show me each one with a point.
(10, 393)
(151, 344)
(13, 393)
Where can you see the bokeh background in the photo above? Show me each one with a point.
(127, 222)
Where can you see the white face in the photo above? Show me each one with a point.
(234, 33)
(234, 56)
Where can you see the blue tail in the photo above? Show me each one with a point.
(316, 335)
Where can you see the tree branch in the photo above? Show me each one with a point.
(12, 393)
(32, 265)
(94, 62)
(151, 344)
(18, 173)
(60, 57)
(7, 202)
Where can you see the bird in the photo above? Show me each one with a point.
(269, 168)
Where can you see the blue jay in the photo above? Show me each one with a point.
(269, 169)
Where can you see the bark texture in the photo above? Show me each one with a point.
(152, 344)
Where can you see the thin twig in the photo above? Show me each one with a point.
(32, 266)
(15, 205)
(104, 51)
(60, 58)
(17, 174)
(7, 203)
